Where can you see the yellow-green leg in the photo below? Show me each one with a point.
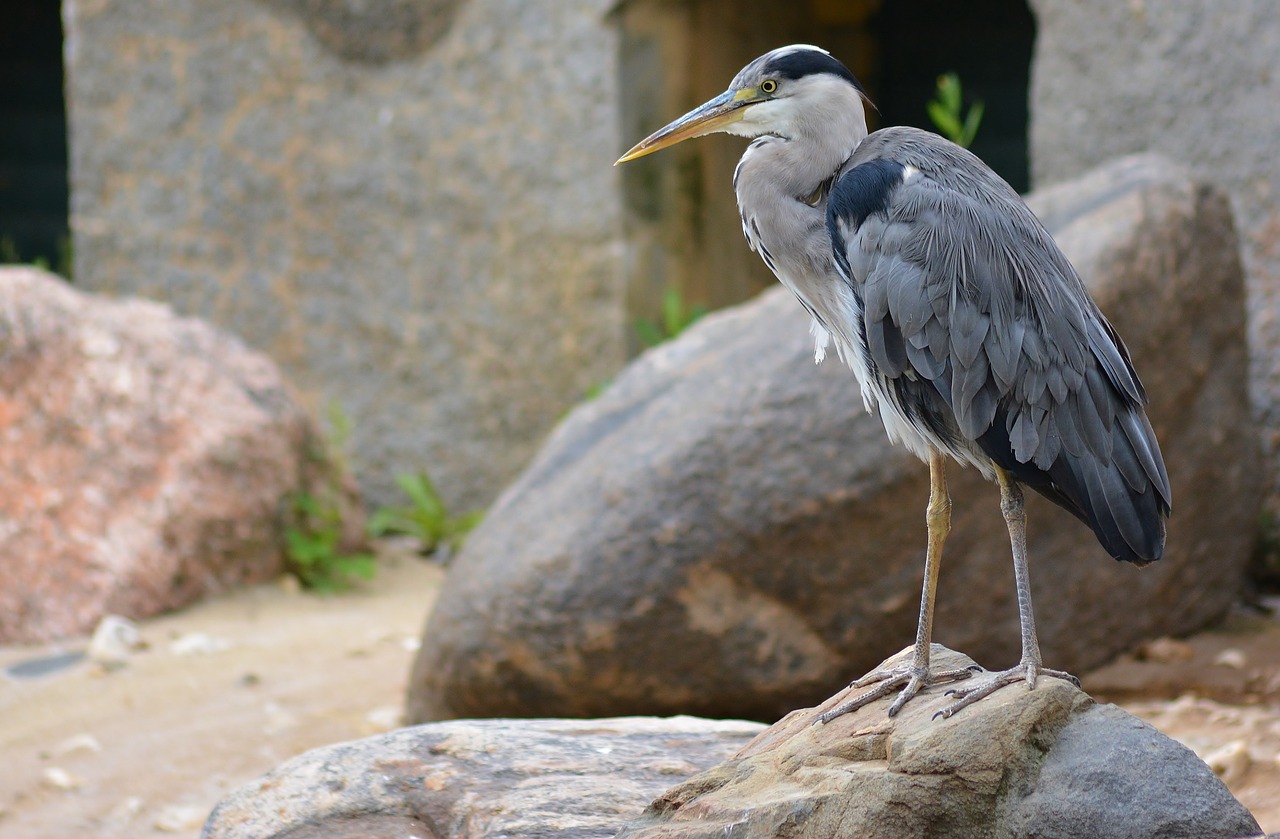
(1029, 667)
(914, 676)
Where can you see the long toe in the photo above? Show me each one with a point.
(981, 689)
(911, 679)
(984, 687)
(1061, 674)
(887, 680)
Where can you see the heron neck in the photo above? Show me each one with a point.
(781, 186)
(803, 161)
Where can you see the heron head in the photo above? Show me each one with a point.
(775, 94)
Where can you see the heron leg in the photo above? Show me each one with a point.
(1030, 665)
(916, 675)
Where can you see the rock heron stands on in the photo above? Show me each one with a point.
(958, 313)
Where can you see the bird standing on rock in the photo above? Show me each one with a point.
(962, 320)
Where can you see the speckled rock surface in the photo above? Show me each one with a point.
(726, 532)
(144, 458)
(1190, 79)
(516, 779)
(1042, 763)
(409, 205)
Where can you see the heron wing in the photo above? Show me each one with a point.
(981, 331)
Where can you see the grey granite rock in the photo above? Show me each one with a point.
(145, 459)
(516, 779)
(726, 532)
(1191, 79)
(409, 204)
(1043, 763)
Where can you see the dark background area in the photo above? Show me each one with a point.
(987, 42)
(33, 135)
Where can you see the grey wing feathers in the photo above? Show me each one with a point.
(967, 300)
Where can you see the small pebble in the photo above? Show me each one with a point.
(180, 818)
(1231, 658)
(1166, 651)
(123, 813)
(114, 641)
(76, 744)
(59, 778)
(384, 719)
(198, 643)
(1230, 762)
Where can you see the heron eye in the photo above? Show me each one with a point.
(768, 86)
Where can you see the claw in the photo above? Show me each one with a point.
(910, 678)
(1061, 674)
(1023, 672)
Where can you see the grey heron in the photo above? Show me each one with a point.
(962, 320)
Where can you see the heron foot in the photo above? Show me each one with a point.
(1024, 671)
(911, 678)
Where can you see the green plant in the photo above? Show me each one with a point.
(317, 536)
(946, 110)
(593, 391)
(333, 448)
(425, 518)
(314, 546)
(60, 264)
(677, 316)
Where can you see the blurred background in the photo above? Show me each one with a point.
(411, 207)
(410, 204)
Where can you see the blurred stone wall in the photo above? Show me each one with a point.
(410, 204)
(1197, 80)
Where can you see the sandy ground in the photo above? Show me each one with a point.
(227, 690)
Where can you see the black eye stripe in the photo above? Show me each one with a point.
(801, 63)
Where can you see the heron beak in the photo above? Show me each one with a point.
(707, 118)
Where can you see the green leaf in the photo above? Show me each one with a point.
(648, 333)
(425, 518)
(672, 311)
(422, 493)
(949, 92)
(946, 110)
(971, 123)
(947, 124)
(364, 566)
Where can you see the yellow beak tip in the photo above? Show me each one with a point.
(633, 154)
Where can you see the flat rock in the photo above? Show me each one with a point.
(726, 532)
(1041, 763)
(479, 778)
(144, 458)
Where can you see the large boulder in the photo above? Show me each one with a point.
(515, 779)
(1047, 763)
(1182, 79)
(143, 458)
(726, 532)
(345, 184)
